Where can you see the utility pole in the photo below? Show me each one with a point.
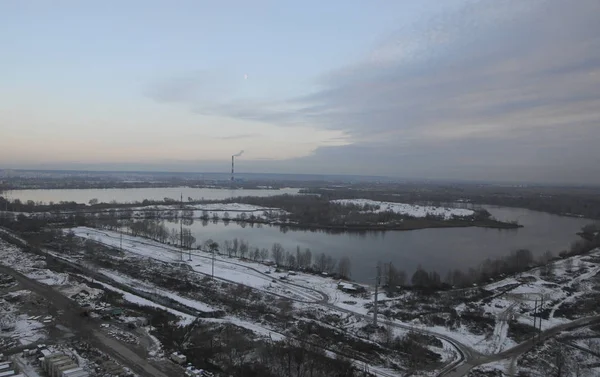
(121, 239)
(377, 281)
(535, 315)
(213, 262)
(540, 319)
(181, 227)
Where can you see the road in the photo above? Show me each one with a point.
(83, 327)
(518, 350)
(464, 352)
(468, 358)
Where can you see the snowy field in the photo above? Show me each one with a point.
(306, 290)
(30, 265)
(185, 319)
(147, 287)
(517, 304)
(18, 326)
(409, 209)
(554, 290)
(228, 269)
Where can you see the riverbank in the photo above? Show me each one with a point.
(406, 225)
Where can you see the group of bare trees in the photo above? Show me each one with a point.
(154, 230)
(393, 279)
(298, 260)
(296, 359)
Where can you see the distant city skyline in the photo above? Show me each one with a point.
(468, 90)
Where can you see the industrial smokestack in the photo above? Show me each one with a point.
(232, 162)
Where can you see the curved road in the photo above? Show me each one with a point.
(468, 358)
(465, 353)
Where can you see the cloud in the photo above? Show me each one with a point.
(190, 88)
(239, 136)
(499, 86)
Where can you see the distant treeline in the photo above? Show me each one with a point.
(319, 211)
(570, 201)
(304, 211)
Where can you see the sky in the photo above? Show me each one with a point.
(498, 90)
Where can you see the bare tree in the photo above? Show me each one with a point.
(290, 260)
(307, 258)
(344, 267)
(393, 278)
(420, 278)
(277, 253)
(330, 264)
(264, 254)
(173, 236)
(321, 262)
(256, 254)
(188, 238)
(227, 247)
(208, 243)
(299, 257)
(243, 249)
(235, 246)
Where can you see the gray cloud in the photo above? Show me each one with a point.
(238, 137)
(501, 89)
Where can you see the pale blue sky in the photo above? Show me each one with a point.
(447, 88)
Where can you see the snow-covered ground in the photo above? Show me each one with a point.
(17, 325)
(553, 290)
(233, 270)
(300, 287)
(409, 209)
(518, 303)
(147, 287)
(185, 319)
(30, 265)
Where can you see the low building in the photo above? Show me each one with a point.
(61, 365)
(347, 287)
(178, 358)
(75, 372)
(59, 372)
(113, 368)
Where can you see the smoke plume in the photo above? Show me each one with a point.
(239, 154)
